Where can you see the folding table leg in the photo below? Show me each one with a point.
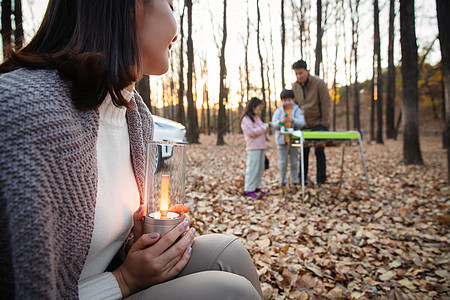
(342, 171)
(302, 167)
(342, 166)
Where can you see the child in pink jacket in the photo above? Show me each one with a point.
(255, 136)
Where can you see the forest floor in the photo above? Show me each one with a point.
(339, 242)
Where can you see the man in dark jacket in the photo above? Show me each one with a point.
(311, 94)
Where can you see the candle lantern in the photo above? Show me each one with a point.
(164, 192)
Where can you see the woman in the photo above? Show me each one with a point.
(72, 139)
(255, 136)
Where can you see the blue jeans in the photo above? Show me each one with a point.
(321, 163)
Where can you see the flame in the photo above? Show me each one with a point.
(164, 203)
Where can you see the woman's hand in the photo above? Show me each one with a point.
(138, 218)
(146, 266)
(138, 221)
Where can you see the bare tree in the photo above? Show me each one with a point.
(323, 61)
(221, 120)
(180, 108)
(336, 39)
(143, 88)
(390, 95)
(379, 76)
(347, 74)
(274, 78)
(269, 93)
(443, 7)
(204, 75)
(6, 27)
(258, 40)
(18, 32)
(8, 23)
(192, 133)
(273, 65)
(319, 38)
(377, 92)
(355, 37)
(208, 113)
(372, 96)
(164, 98)
(172, 88)
(247, 40)
(302, 27)
(242, 94)
(411, 145)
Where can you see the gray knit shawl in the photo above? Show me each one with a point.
(48, 182)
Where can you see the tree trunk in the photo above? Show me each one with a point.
(143, 88)
(372, 102)
(347, 107)
(319, 39)
(164, 101)
(247, 40)
(443, 7)
(242, 94)
(390, 100)
(192, 124)
(348, 79)
(221, 120)
(18, 32)
(302, 27)
(208, 114)
(180, 108)
(355, 38)
(203, 116)
(335, 69)
(261, 61)
(268, 104)
(411, 146)
(379, 74)
(334, 104)
(283, 46)
(273, 67)
(6, 27)
(172, 89)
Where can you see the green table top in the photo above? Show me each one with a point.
(326, 135)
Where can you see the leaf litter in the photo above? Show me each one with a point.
(339, 242)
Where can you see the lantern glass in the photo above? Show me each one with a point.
(164, 193)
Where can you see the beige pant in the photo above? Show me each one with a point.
(219, 268)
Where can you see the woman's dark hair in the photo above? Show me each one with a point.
(248, 111)
(93, 45)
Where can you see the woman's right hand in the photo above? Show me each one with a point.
(146, 266)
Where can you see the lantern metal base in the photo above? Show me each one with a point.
(162, 226)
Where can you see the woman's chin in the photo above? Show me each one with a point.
(159, 71)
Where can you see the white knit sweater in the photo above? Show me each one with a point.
(117, 199)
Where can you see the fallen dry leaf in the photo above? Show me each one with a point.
(339, 240)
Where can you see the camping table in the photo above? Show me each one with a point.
(327, 139)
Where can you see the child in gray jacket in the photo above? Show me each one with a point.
(288, 115)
